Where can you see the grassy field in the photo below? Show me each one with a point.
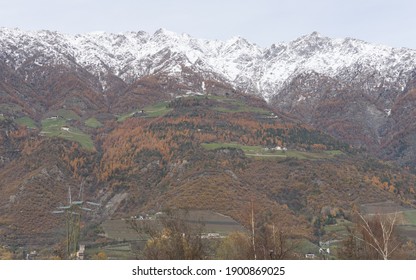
(229, 105)
(225, 104)
(408, 228)
(384, 207)
(53, 128)
(119, 230)
(406, 217)
(410, 217)
(122, 118)
(76, 135)
(125, 238)
(339, 230)
(153, 111)
(214, 222)
(157, 110)
(113, 251)
(66, 114)
(261, 152)
(93, 123)
(250, 149)
(306, 247)
(26, 121)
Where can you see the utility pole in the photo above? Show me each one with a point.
(252, 229)
(73, 221)
(274, 243)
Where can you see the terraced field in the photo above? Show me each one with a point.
(125, 241)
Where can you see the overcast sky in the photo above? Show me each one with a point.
(264, 22)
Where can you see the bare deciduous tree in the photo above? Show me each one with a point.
(374, 236)
(276, 243)
(236, 246)
(378, 233)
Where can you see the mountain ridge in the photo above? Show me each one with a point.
(263, 71)
(175, 121)
(346, 87)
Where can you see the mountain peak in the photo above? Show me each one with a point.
(241, 63)
(164, 32)
(314, 34)
(312, 39)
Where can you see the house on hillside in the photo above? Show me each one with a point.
(310, 256)
(31, 255)
(277, 148)
(138, 113)
(81, 252)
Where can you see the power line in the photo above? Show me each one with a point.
(72, 213)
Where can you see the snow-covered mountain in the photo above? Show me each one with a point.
(358, 92)
(246, 66)
(361, 94)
